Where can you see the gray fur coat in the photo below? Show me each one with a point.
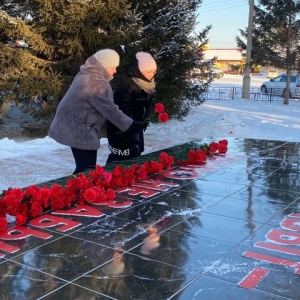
(84, 108)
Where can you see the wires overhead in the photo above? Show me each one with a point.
(220, 5)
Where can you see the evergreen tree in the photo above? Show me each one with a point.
(275, 39)
(57, 37)
(169, 35)
(60, 36)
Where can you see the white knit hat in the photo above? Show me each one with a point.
(108, 58)
(145, 61)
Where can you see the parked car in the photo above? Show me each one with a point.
(277, 86)
(217, 72)
(214, 71)
(272, 73)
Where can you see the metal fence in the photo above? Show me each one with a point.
(231, 93)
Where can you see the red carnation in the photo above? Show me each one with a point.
(99, 169)
(16, 193)
(192, 156)
(110, 195)
(200, 156)
(142, 173)
(94, 194)
(171, 161)
(117, 171)
(31, 190)
(45, 194)
(21, 219)
(3, 223)
(154, 167)
(166, 160)
(36, 209)
(71, 184)
(163, 117)
(129, 176)
(107, 176)
(90, 195)
(163, 157)
(2, 207)
(224, 142)
(100, 193)
(159, 108)
(56, 191)
(80, 200)
(222, 148)
(180, 162)
(70, 197)
(213, 147)
(36, 197)
(82, 181)
(12, 206)
(24, 209)
(57, 197)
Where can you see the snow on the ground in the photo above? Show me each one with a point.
(239, 118)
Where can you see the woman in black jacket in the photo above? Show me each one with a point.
(134, 97)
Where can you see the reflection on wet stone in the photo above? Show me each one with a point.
(201, 232)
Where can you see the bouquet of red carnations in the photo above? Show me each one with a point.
(162, 115)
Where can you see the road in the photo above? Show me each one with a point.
(237, 81)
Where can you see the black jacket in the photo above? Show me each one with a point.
(135, 103)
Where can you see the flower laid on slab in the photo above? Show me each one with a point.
(96, 187)
(199, 154)
(162, 115)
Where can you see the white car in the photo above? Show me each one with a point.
(217, 72)
(277, 86)
(214, 71)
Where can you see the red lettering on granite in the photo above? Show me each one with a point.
(202, 168)
(8, 248)
(46, 221)
(291, 224)
(193, 167)
(119, 204)
(115, 203)
(131, 190)
(253, 278)
(182, 174)
(274, 260)
(275, 239)
(21, 232)
(277, 248)
(156, 185)
(283, 237)
(295, 215)
(81, 210)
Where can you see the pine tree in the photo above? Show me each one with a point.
(275, 38)
(60, 35)
(169, 35)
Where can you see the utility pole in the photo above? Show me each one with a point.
(246, 78)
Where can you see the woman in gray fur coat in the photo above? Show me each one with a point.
(85, 107)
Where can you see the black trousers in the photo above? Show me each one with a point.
(84, 159)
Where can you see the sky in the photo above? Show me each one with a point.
(31, 162)
(226, 17)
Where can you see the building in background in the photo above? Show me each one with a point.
(225, 57)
